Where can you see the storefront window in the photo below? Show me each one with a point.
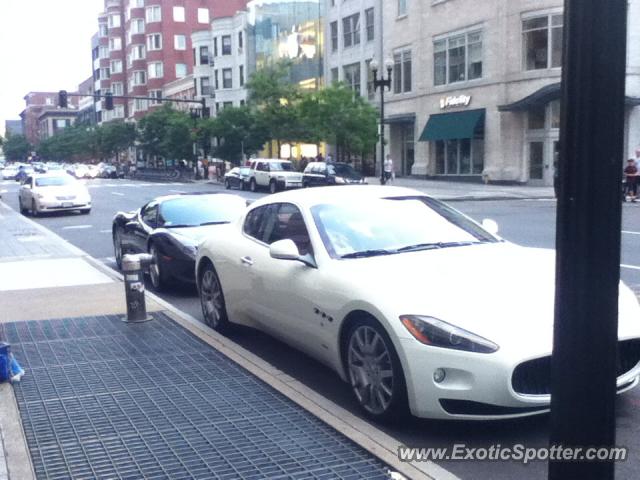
(537, 118)
(459, 157)
(555, 114)
(536, 160)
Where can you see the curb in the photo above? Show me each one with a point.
(367, 436)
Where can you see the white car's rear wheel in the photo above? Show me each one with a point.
(273, 186)
(374, 371)
(212, 300)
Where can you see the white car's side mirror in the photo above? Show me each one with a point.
(284, 250)
(490, 226)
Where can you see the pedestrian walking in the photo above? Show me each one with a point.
(388, 169)
(631, 177)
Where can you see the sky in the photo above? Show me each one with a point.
(45, 45)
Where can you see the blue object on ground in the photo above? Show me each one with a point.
(5, 362)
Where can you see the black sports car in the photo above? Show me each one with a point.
(237, 177)
(170, 229)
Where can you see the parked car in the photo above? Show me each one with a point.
(237, 177)
(170, 228)
(107, 170)
(9, 172)
(273, 174)
(415, 305)
(23, 172)
(53, 192)
(322, 174)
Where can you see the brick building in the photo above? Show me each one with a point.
(36, 103)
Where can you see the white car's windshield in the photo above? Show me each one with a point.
(395, 225)
(54, 181)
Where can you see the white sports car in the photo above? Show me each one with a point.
(414, 304)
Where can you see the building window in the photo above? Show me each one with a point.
(103, 51)
(215, 46)
(402, 71)
(226, 45)
(178, 14)
(156, 70)
(140, 104)
(179, 42)
(137, 52)
(459, 157)
(335, 75)
(154, 41)
(103, 30)
(370, 89)
(137, 26)
(136, 4)
(203, 15)
(227, 78)
(542, 42)
(105, 73)
(118, 111)
(334, 36)
(215, 79)
(402, 7)
(115, 43)
(351, 30)
(457, 58)
(181, 70)
(114, 21)
(369, 18)
(116, 88)
(139, 78)
(241, 74)
(227, 105)
(240, 41)
(116, 66)
(205, 86)
(157, 96)
(352, 76)
(204, 55)
(153, 14)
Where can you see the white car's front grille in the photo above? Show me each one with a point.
(68, 197)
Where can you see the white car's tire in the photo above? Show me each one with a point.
(374, 371)
(34, 208)
(252, 185)
(273, 186)
(214, 310)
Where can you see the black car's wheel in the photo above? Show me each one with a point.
(243, 185)
(273, 186)
(252, 185)
(158, 275)
(305, 184)
(117, 247)
(227, 185)
(374, 371)
(212, 299)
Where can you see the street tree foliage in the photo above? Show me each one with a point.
(113, 138)
(16, 147)
(167, 133)
(238, 130)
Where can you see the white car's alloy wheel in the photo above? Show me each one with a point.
(371, 371)
(212, 300)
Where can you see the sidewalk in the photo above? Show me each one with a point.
(168, 398)
(459, 191)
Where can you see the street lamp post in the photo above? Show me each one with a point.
(381, 82)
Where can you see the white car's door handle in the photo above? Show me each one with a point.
(247, 261)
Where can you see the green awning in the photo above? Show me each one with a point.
(454, 125)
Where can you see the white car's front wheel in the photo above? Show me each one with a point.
(212, 299)
(374, 371)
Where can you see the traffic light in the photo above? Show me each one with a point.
(108, 101)
(62, 99)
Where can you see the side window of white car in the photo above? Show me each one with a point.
(286, 222)
(253, 222)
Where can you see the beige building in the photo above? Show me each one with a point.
(475, 87)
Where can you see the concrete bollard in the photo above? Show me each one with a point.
(133, 267)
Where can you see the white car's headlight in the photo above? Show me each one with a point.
(435, 332)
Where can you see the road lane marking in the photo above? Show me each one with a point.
(632, 267)
(76, 227)
(630, 232)
(117, 193)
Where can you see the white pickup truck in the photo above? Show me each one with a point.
(274, 174)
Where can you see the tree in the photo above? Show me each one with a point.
(16, 147)
(167, 133)
(238, 130)
(114, 138)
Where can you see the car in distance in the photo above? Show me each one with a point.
(53, 192)
(237, 177)
(415, 305)
(333, 173)
(274, 174)
(9, 172)
(170, 228)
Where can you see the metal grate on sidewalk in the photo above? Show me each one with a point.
(106, 399)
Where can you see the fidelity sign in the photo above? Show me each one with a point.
(459, 101)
